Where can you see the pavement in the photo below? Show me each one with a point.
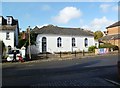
(63, 58)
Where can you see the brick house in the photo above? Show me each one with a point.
(112, 35)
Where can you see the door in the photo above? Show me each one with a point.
(44, 45)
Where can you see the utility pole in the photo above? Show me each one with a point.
(29, 42)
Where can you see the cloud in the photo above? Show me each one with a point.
(105, 7)
(98, 24)
(116, 8)
(67, 14)
(108, 7)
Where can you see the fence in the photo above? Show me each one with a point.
(62, 55)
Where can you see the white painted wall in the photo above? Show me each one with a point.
(66, 43)
(3, 37)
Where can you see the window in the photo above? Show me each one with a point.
(59, 42)
(8, 36)
(44, 44)
(86, 42)
(73, 42)
(9, 20)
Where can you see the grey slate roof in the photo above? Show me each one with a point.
(7, 27)
(50, 29)
(114, 25)
(110, 37)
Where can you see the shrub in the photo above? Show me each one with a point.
(2, 49)
(92, 48)
(108, 45)
(115, 47)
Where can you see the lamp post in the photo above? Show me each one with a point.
(29, 42)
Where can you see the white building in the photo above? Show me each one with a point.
(9, 31)
(55, 39)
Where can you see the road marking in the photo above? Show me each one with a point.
(114, 82)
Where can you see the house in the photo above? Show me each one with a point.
(112, 35)
(60, 39)
(9, 31)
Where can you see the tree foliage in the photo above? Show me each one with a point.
(98, 34)
(92, 48)
(110, 46)
(3, 47)
(25, 42)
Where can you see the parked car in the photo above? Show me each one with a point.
(11, 54)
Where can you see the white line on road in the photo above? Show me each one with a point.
(114, 82)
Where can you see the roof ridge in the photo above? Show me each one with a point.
(114, 24)
(51, 29)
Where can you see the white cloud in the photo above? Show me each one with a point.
(67, 14)
(98, 24)
(116, 8)
(105, 7)
(109, 7)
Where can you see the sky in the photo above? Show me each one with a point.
(87, 15)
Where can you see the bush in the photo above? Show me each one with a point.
(115, 47)
(108, 45)
(92, 48)
(2, 48)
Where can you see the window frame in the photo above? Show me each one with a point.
(86, 42)
(59, 42)
(7, 35)
(73, 42)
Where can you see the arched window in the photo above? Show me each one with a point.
(86, 42)
(9, 49)
(44, 44)
(7, 35)
(59, 42)
(44, 39)
(73, 42)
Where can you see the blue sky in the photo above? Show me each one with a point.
(88, 15)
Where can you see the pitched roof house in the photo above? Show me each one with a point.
(55, 39)
(9, 31)
(112, 34)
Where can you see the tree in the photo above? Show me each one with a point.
(98, 34)
(2, 50)
(24, 40)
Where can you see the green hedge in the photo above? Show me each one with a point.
(92, 48)
(110, 46)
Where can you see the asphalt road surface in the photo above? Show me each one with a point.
(85, 72)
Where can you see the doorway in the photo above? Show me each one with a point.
(44, 45)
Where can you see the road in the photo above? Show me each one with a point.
(90, 71)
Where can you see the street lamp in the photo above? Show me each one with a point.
(29, 42)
